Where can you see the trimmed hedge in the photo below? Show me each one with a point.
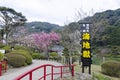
(111, 68)
(100, 77)
(43, 56)
(36, 55)
(1, 56)
(30, 50)
(7, 49)
(53, 55)
(25, 54)
(15, 60)
(19, 47)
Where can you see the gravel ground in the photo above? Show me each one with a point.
(78, 76)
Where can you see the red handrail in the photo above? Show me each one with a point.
(45, 75)
(0, 68)
(4, 67)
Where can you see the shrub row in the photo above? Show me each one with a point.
(99, 77)
(38, 56)
(111, 68)
(16, 60)
(19, 56)
(53, 56)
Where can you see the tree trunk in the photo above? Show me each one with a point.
(48, 56)
(5, 39)
(70, 68)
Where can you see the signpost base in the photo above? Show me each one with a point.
(89, 67)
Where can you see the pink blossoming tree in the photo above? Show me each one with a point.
(44, 40)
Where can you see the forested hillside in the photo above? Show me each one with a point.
(106, 28)
(105, 31)
(41, 26)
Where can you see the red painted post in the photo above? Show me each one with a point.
(72, 70)
(44, 72)
(0, 69)
(5, 66)
(61, 71)
(30, 76)
(52, 73)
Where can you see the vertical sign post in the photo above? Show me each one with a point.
(86, 45)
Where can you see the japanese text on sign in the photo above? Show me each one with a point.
(86, 45)
(86, 36)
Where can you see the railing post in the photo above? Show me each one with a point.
(0, 69)
(52, 73)
(72, 70)
(30, 76)
(44, 72)
(5, 66)
(60, 71)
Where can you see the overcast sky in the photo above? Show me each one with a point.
(58, 11)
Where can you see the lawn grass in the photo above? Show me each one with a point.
(96, 72)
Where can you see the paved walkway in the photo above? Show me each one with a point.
(12, 73)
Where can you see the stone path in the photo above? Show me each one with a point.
(12, 73)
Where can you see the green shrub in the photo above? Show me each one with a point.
(30, 50)
(100, 77)
(111, 68)
(25, 54)
(28, 57)
(53, 55)
(43, 56)
(36, 55)
(2, 45)
(7, 48)
(15, 60)
(1, 56)
(19, 47)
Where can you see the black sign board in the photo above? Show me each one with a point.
(86, 45)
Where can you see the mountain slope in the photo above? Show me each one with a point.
(41, 26)
(106, 28)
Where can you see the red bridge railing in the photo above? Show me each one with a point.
(4, 67)
(45, 74)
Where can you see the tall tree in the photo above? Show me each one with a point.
(10, 19)
(71, 37)
(70, 40)
(19, 35)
